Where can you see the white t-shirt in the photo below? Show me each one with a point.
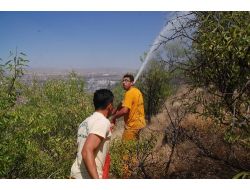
(97, 124)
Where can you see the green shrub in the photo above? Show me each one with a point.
(118, 92)
(128, 159)
(39, 125)
(154, 84)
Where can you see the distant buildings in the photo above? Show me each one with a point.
(94, 80)
(101, 81)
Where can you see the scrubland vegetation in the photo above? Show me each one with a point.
(196, 95)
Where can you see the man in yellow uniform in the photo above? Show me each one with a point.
(132, 109)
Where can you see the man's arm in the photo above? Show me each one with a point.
(117, 108)
(91, 144)
(123, 111)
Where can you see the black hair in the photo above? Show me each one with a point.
(102, 98)
(130, 76)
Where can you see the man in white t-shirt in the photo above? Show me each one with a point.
(93, 138)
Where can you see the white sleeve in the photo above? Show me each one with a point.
(101, 128)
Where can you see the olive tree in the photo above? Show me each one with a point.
(154, 84)
(217, 61)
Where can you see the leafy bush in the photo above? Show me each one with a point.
(39, 125)
(128, 159)
(217, 55)
(155, 86)
(118, 92)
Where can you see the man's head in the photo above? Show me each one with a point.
(103, 100)
(127, 81)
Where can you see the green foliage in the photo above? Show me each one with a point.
(38, 130)
(217, 61)
(117, 150)
(10, 71)
(242, 175)
(129, 158)
(222, 66)
(222, 50)
(118, 92)
(155, 86)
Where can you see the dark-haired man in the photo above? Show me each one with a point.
(132, 109)
(93, 138)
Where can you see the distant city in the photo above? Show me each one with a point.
(94, 78)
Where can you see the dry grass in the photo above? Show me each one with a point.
(197, 146)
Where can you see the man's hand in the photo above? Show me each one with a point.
(112, 126)
(113, 120)
(114, 111)
(123, 111)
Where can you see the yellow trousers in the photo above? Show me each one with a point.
(130, 134)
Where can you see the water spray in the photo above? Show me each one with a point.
(166, 31)
(153, 48)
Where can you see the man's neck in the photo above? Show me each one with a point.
(130, 88)
(103, 112)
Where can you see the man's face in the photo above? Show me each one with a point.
(126, 83)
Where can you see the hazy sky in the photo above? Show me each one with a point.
(80, 39)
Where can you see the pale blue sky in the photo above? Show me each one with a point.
(80, 39)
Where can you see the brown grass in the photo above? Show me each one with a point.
(199, 151)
